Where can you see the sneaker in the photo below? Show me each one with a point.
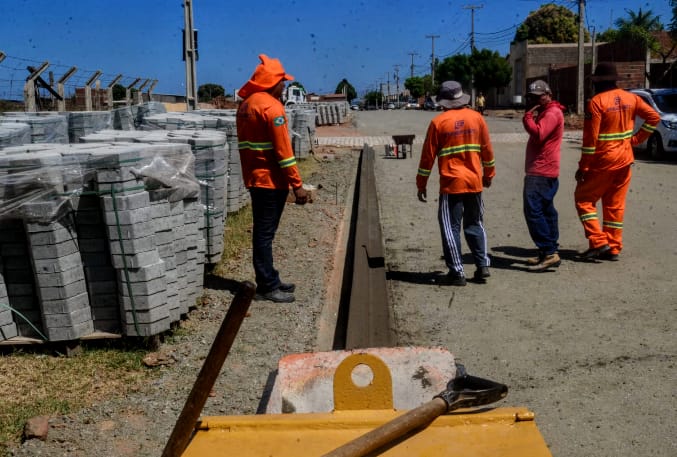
(595, 253)
(287, 287)
(548, 261)
(456, 279)
(481, 274)
(277, 296)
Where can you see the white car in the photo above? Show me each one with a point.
(663, 142)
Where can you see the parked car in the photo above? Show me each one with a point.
(412, 105)
(663, 142)
(430, 105)
(390, 106)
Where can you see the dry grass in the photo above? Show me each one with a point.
(38, 384)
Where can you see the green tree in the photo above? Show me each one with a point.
(551, 23)
(490, 69)
(372, 98)
(119, 92)
(457, 68)
(350, 91)
(415, 86)
(209, 91)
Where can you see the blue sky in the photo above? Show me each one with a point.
(320, 42)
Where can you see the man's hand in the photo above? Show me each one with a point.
(580, 175)
(486, 182)
(422, 196)
(301, 196)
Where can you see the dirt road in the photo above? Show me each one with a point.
(589, 347)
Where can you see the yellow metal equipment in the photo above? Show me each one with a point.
(476, 432)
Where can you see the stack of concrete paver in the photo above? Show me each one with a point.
(210, 151)
(122, 118)
(46, 127)
(303, 132)
(123, 252)
(7, 326)
(81, 123)
(14, 134)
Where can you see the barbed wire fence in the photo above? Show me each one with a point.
(15, 71)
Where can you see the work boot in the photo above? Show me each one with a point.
(287, 287)
(595, 253)
(535, 260)
(276, 295)
(608, 255)
(548, 261)
(456, 279)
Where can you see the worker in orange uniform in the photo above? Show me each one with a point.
(604, 169)
(459, 140)
(268, 169)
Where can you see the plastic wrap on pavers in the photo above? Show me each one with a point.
(14, 134)
(99, 237)
(46, 127)
(81, 123)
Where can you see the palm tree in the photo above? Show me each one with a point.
(639, 27)
(643, 20)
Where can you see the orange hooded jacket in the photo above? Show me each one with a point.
(607, 129)
(459, 139)
(266, 154)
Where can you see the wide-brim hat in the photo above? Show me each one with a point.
(266, 75)
(605, 71)
(451, 95)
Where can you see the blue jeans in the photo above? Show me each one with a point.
(540, 213)
(466, 209)
(267, 207)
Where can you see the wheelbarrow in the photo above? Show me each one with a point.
(402, 143)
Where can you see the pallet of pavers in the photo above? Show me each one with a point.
(97, 238)
(210, 151)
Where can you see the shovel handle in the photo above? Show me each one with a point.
(462, 392)
(183, 429)
(390, 431)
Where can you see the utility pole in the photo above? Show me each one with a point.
(190, 55)
(581, 57)
(432, 59)
(412, 54)
(472, 9)
(397, 81)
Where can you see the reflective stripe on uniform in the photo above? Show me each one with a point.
(614, 225)
(588, 216)
(255, 146)
(423, 172)
(588, 150)
(459, 149)
(615, 136)
(648, 127)
(290, 162)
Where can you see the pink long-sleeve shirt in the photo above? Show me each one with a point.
(545, 140)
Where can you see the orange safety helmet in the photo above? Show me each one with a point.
(267, 74)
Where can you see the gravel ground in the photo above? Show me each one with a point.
(140, 424)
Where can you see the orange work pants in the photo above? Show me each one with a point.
(611, 187)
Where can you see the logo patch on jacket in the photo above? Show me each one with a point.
(278, 121)
(459, 124)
